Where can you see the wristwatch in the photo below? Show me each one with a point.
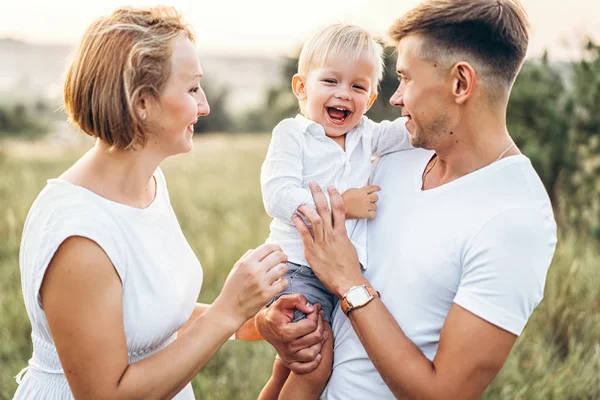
(357, 297)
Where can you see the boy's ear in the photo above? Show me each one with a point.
(298, 87)
(371, 100)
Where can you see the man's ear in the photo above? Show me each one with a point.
(372, 99)
(464, 82)
(298, 87)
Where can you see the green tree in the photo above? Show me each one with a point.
(582, 190)
(538, 120)
(219, 119)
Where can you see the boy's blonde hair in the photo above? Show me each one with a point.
(119, 58)
(342, 41)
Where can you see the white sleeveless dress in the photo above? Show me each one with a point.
(161, 276)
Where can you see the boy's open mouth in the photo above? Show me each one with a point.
(338, 115)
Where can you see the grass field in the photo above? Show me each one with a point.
(215, 193)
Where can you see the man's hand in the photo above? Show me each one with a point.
(361, 203)
(297, 343)
(329, 253)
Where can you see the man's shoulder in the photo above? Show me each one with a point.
(514, 183)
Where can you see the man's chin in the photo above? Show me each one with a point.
(417, 141)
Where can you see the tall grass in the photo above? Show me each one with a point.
(215, 193)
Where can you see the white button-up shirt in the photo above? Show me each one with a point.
(301, 153)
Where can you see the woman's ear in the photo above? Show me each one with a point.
(298, 87)
(141, 106)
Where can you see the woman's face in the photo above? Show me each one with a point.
(182, 101)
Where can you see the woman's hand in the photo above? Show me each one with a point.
(253, 281)
(361, 203)
(330, 253)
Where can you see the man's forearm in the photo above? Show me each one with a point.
(401, 364)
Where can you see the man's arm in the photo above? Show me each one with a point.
(298, 344)
(471, 350)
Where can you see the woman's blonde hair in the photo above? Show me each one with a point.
(119, 58)
(342, 41)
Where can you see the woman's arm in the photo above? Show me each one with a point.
(198, 311)
(82, 298)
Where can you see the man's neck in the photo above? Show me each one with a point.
(471, 147)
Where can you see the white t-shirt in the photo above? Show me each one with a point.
(300, 153)
(484, 241)
(160, 273)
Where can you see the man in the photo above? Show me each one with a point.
(464, 233)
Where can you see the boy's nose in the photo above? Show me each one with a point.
(343, 95)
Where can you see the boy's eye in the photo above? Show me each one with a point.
(329, 80)
(359, 87)
(195, 89)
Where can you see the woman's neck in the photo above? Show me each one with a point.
(124, 176)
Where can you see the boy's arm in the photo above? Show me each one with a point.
(390, 136)
(281, 175)
(273, 388)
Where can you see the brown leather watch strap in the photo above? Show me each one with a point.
(346, 306)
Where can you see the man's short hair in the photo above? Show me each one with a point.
(119, 58)
(341, 41)
(492, 35)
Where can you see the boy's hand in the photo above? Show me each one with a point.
(361, 203)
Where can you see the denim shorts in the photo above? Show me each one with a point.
(301, 279)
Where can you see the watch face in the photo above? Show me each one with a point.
(358, 296)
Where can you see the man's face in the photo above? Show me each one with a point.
(424, 94)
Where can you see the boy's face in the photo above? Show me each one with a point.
(338, 94)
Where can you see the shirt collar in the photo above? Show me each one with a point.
(314, 128)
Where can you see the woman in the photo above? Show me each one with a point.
(110, 283)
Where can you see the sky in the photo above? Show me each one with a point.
(276, 27)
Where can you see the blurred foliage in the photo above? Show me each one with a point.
(22, 120)
(219, 119)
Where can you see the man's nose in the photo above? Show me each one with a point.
(397, 99)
